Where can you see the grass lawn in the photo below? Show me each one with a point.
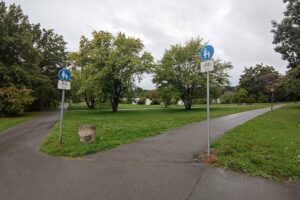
(7, 122)
(267, 146)
(123, 127)
(82, 106)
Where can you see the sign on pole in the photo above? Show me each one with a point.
(64, 74)
(207, 52)
(63, 84)
(207, 65)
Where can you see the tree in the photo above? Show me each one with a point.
(153, 95)
(115, 62)
(228, 97)
(26, 53)
(51, 48)
(258, 81)
(287, 32)
(166, 94)
(291, 84)
(179, 68)
(241, 96)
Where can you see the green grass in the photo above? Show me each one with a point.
(267, 146)
(7, 122)
(82, 106)
(123, 127)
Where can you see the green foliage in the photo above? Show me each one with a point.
(258, 81)
(286, 33)
(29, 56)
(167, 94)
(228, 97)
(153, 95)
(180, 70)
(291, 84)
(241, 96)
(271, 151)
(13, 101)
(112, 63)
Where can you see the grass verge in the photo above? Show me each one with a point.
(8, 122)
(267, 146)
(123, 127)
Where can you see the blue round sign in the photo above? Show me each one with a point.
(64, 74)
(207, 52)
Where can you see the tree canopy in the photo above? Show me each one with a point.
(258, 81)
(29, 56)
(113, 64)
(287, 33)
(179, 69)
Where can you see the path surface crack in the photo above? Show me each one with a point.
(194, 187)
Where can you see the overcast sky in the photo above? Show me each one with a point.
(238, 29)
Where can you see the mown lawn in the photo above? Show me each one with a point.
(267, 146)
(123, 127)
(7, 122)
(82, 106)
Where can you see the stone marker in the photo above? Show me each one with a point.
(87, 133)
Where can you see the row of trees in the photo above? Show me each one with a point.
(177, 74)
(29, 59)
(110, 65)
(257, 84)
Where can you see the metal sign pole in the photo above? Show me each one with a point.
(208, 116)
(61, 116)
(207, 65)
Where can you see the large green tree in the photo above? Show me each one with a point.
(287, 33)
(114, 64)
(287, 40)
(258, 81)
(180, 70)
(29, 56)
(291, 84)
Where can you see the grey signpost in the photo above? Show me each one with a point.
(206, 66)
(63, 84)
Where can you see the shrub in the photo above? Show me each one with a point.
(263, 99)
(228, 97)
(13, 101)
(241, 96)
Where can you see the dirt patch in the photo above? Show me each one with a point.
(211, 160)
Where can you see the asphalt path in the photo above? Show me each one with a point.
(160, 167)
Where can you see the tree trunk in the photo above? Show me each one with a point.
(90, 102)
(187, 103)
(115, 104)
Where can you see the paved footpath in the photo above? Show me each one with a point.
(156, 168)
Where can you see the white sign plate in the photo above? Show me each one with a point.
(64, 85)
(207, 66)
